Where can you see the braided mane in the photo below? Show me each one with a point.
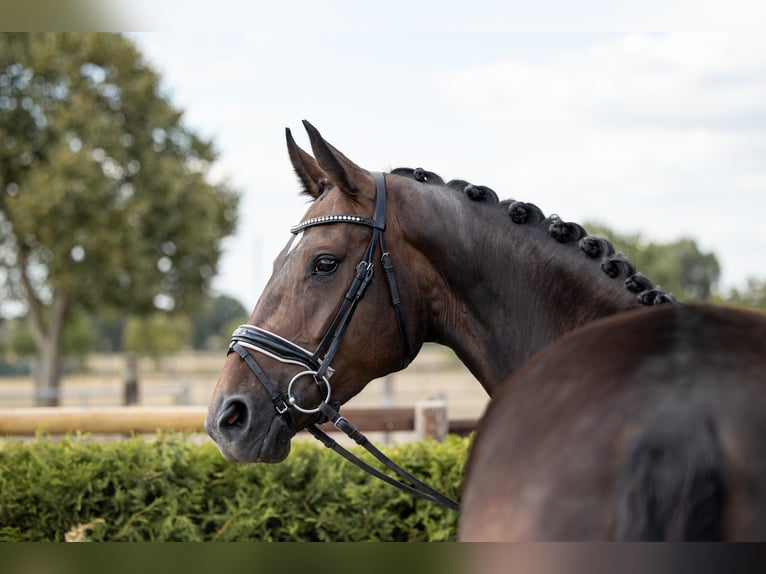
(614, 265)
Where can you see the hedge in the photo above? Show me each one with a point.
(172, 489)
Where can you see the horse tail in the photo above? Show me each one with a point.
(672, 485)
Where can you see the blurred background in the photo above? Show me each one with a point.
(145, 186)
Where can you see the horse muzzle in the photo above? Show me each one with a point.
(255, 421)
(245, 433)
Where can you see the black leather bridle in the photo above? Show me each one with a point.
(318, 364)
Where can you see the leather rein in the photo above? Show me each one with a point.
(317, 364)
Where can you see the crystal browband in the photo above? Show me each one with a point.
(339, 218)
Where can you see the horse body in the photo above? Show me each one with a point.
(645, 426)
(495, 281)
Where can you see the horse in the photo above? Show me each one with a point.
(496, 281)
(648, 425)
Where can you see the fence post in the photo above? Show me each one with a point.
(131, 380)
(431, 419)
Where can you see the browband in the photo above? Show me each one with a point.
(358, 219)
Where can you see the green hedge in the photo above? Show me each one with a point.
(172, 489)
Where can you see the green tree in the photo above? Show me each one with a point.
(78, 337)
(752, 295)
(108, 325)
(104, 194)
(216, 314)
(157, 334)
(679, 266)
(21, 342)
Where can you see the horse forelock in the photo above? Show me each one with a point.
(599, 249)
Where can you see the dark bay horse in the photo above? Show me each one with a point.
(382, 263)
(648, 425)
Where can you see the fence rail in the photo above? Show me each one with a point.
(178, 392)
(427, 419)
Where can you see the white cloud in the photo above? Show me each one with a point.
(666, 80)
(665, 134)
(659, 133)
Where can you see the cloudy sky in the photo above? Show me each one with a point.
(658, 133)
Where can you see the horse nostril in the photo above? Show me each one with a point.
(234, 416)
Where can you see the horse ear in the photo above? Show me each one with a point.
(339, 169)
(306, 168)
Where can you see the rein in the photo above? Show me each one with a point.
(317, 364)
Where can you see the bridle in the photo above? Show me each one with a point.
(318, 364)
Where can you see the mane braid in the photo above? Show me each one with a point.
(419, 174)
(474, 192)
(614, 265)
(564, 232)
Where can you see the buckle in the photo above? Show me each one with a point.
(281, 407)
(364, 270)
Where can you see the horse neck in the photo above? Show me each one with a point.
(497, 292)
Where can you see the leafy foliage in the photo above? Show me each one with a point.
(752, 295)
(213, 323)
(103, 185)
(679, 267)
(104, 194)
(77, 341)
(171, 489)
(157, 334)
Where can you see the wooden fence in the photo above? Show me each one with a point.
(428, 419)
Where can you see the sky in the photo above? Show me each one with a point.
(661, 133)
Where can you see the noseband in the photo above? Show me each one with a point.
(317, 364)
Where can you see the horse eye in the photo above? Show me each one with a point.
(325, 265)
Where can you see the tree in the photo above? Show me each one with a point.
(104, 195)
(157, 334)
(679, 267)
(216, 314)
(752, 295)
(77, 340)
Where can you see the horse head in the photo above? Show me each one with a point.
(325, 290)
